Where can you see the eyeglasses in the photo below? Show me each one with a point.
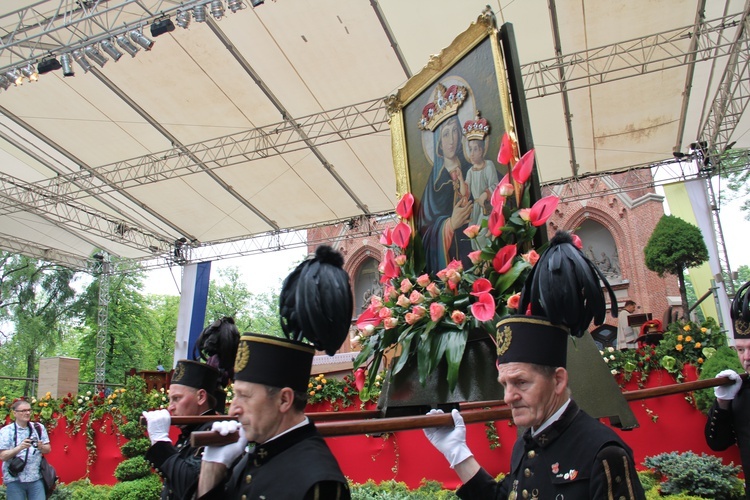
(23, 411)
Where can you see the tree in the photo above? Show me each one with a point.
(229, 296)
(35, 298)
(733, 165)
(674, 246)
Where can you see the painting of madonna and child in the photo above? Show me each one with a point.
(453, 131)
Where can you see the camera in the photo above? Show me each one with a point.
(34, 441)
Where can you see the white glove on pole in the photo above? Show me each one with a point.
(226, 454)
(729, 391)
(157, 424)
(450, 441)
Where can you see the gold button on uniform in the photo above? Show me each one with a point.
(244, 497)
(531, 454)
(527, 472)
(248, 478)
(525, 493)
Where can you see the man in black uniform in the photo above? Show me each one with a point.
(563, 453)
(191, 393)
(287, 457)
(729, 418)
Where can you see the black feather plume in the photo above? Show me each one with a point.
(739, 309)
(316, 301)
(566, 287)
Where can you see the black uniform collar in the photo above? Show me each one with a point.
(548, 435)
(185, 430)
(262, 453)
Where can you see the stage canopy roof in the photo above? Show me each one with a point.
(271, 119)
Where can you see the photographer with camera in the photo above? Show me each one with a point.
(21, 448)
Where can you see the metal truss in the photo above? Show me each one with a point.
(104, 273)
(636, 57)
(31, 34)
(25, 247)
(322, 128)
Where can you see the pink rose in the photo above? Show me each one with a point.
(385, 313)
(376, 303)
(423, 280)
(525, 214)
(406, 285)
(416, 297)
(401, 260)
(475, 257)
(437, 311)
(442, 275)
(411, 318)
(419, 311)
(454, 276)
(390, 292)
(403, 301)
(433, 290)
(458, 317)
(506, 189)
(456, 264)
(532, 257)
(514, 301)
(472, 231)
(389, 323)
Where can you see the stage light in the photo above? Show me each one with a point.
(161, 26)
(141, 39)
(256, 2)
(96, 56)
(235, 5)
(14, 76)
(217, 9)
(127, 45)
(48, 64)
(183, 18)
(29, 71)
(199, 13)
(67, 65)
(82, 61)
(110, 49)
(4, 82)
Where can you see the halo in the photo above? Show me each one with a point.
(465, 112)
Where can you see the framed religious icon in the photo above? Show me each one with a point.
(447, 122)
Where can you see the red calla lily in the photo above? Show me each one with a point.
(506, 150)
(522, 170)
(481, 286)
(405, 207)
(498, 200)
(359, 379)
(386, 237)
(390, 268)
(577, 241)
(542, 210)
(368, 317)
(484, 308)
(504, 259)
(496, 222)
(401, 234)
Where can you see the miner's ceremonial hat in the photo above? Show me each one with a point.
(196, 375)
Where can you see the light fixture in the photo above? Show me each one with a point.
(183, 18)
(93, 53)
(217, 9)
(235, 5)
(48, 64)
(161, 26)
(141, 39)
(256, 2)
(199, 13)
(4, 82)
(110, 49)
(82, 61)
(14, 76)
(67, 65)
(29, 71)
(127, 45)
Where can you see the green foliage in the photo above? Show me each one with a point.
(146, 488)
(393, 490)
(674, 246)
(724, 358)
(132, 430)
(229, 296)
(136, 447)
(84, 490)
(132, 469)
(700, 475)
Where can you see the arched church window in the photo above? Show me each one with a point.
(366, 283)
(599, 246)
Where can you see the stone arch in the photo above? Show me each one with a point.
(609, 246)
(363, 270)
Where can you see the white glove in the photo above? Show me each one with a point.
(451, 442)
(157, 423)
(226, 454)
(729, 391)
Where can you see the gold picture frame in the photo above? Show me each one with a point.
(466, 77)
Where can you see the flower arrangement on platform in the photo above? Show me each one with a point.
(684, 343)
(428, 317)
(340, 393)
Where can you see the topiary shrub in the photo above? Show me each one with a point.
(136, 447)
(147, 488)
(133, 468)
(724, 358)
(84, 490)
(703, 476)
(132, 430)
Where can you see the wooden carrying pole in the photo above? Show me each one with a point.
(351, 424)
